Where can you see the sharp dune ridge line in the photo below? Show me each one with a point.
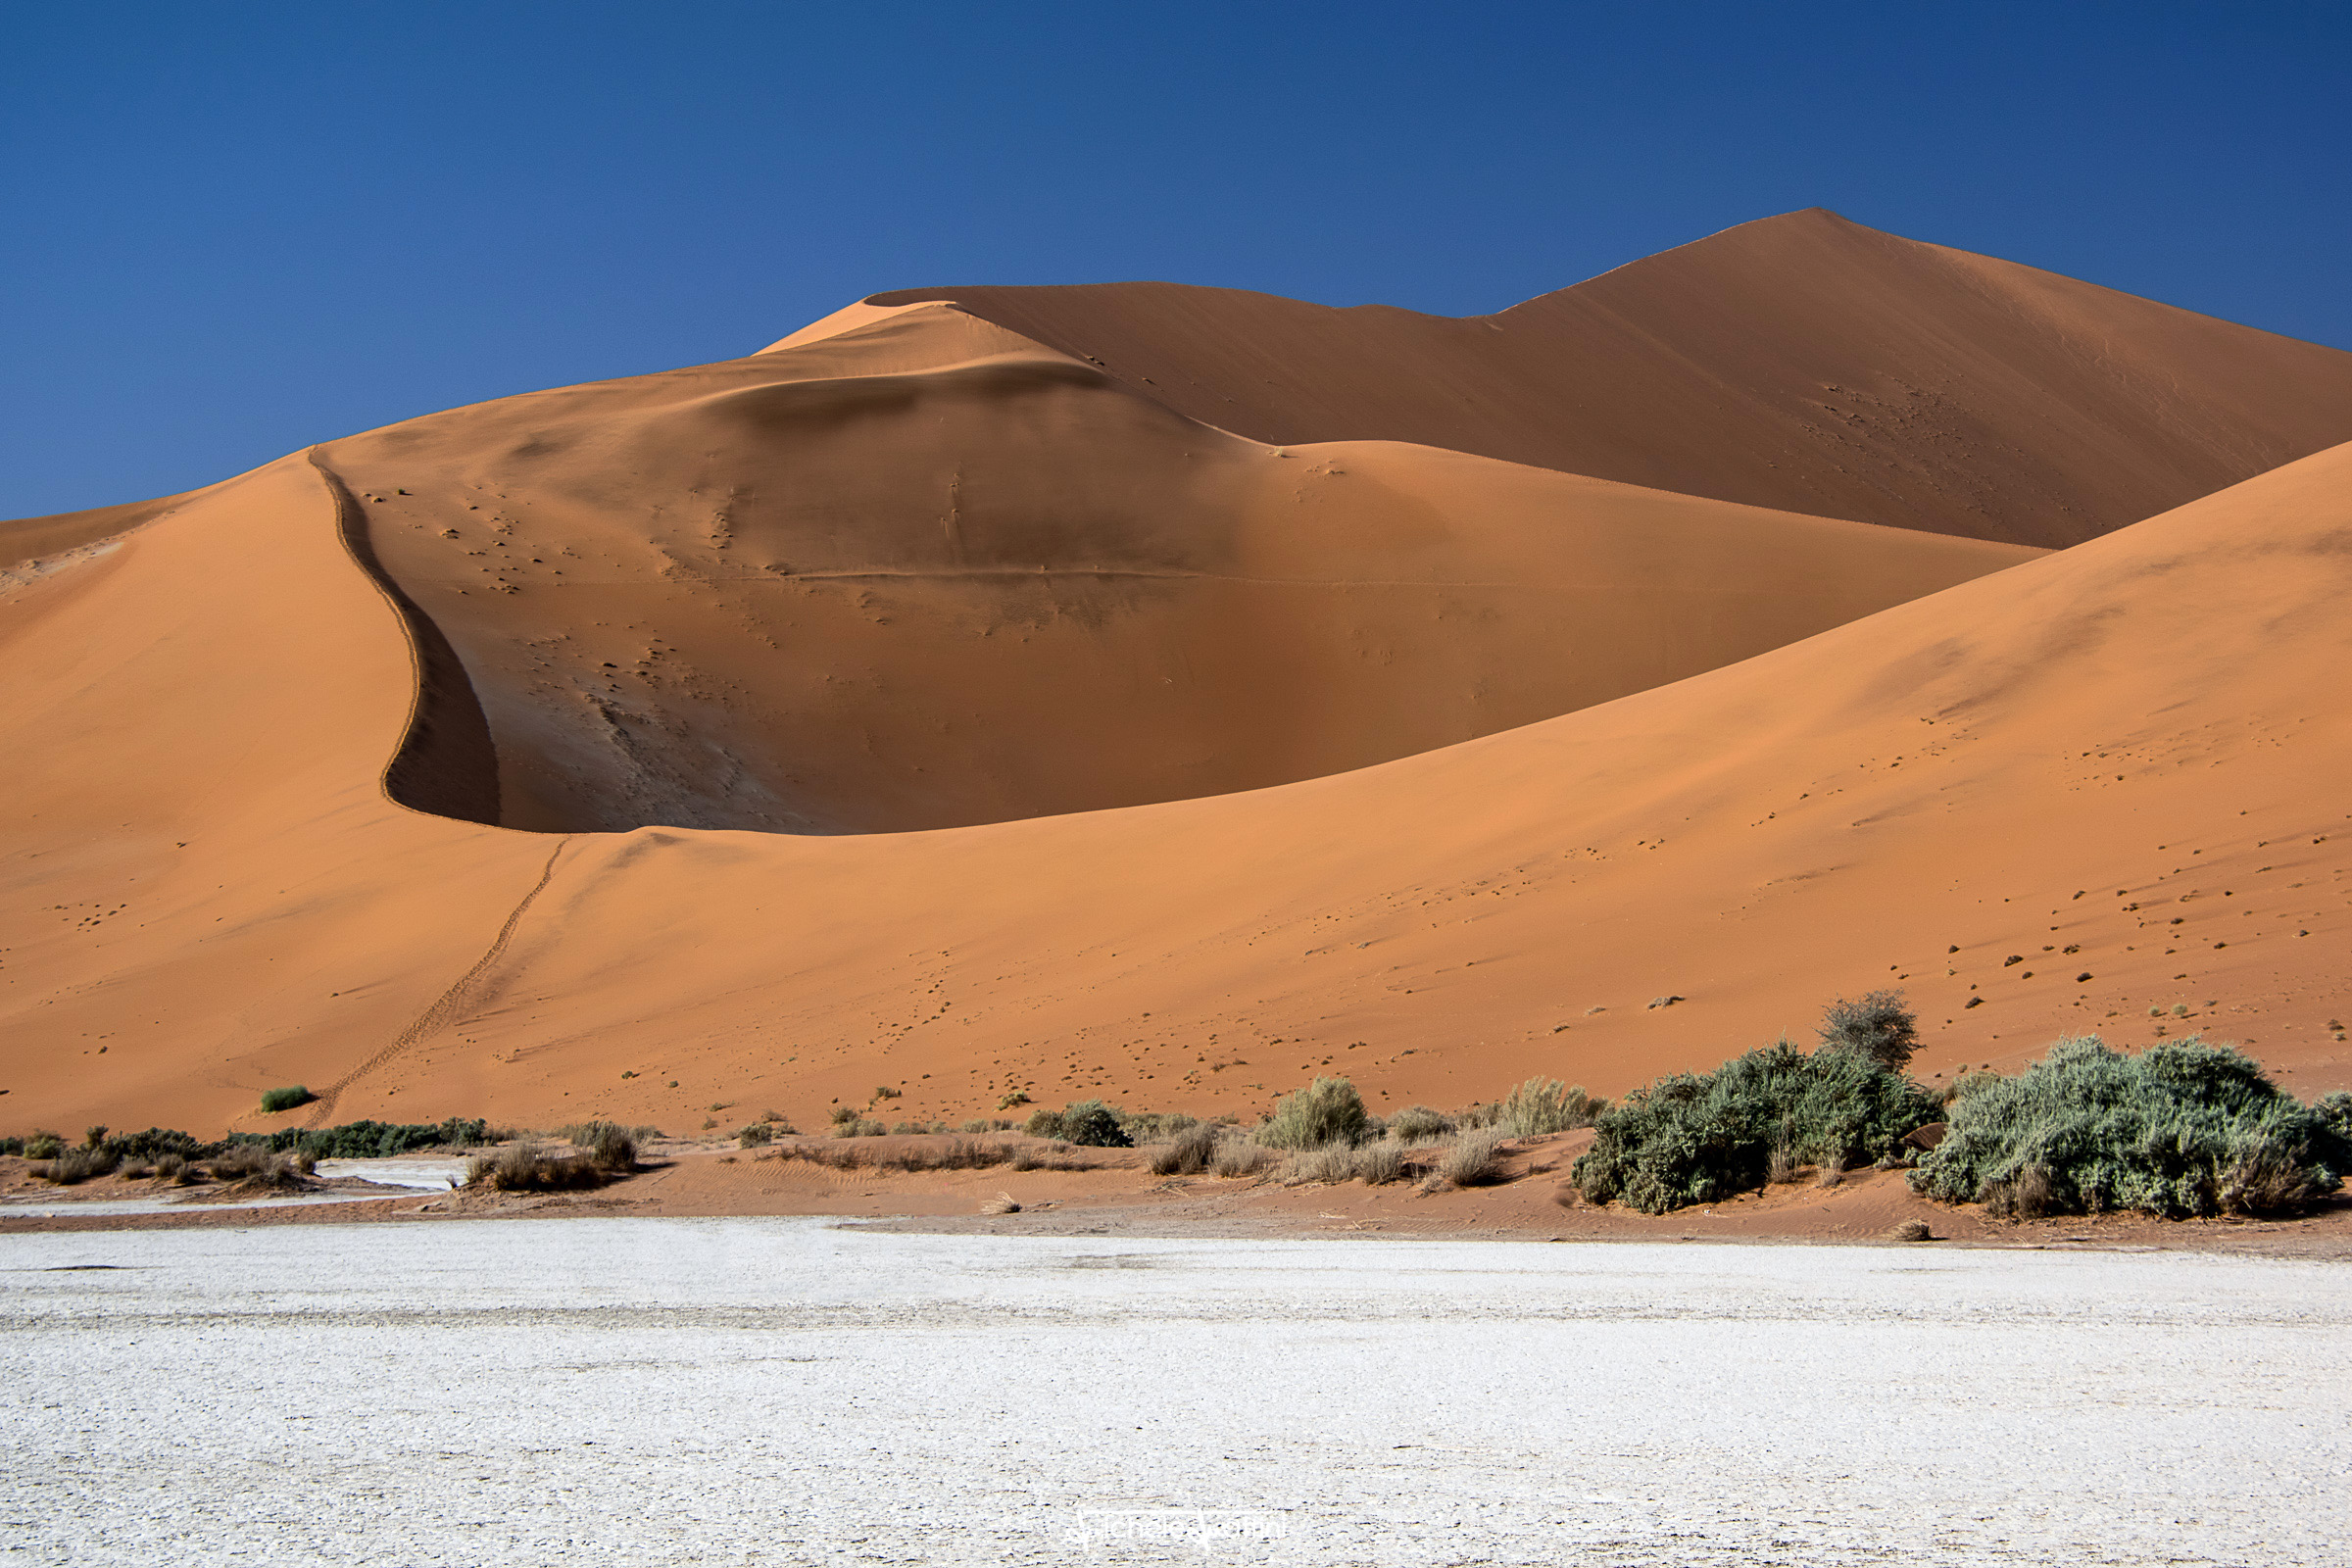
(918, 703)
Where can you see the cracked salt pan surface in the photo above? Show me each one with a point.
(781, 1390)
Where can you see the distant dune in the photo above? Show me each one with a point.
(1802, 363)
(922, 704)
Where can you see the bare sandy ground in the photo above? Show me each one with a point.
(778, 1392)
(1080, 1192)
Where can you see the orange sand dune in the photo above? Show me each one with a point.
(921, 572)
(2119, 765)
(1802, 363)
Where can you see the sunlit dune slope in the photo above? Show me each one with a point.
(921, 572)
(2120, 766)
(1803, 363)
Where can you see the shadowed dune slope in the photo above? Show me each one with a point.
(921, 572)
(1801, 363)
(2120, 766)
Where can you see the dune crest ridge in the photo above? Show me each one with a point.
(1803, 363)
(922, 572)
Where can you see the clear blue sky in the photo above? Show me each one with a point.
(237, 228)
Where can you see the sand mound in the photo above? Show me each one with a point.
(2046, 797)
(1802, 363)
(211, 886)
(922, 573)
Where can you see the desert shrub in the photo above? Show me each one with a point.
(286, 1099)
(843, 1115)
(1780, 1166)
(859, 1127)
(900, 1129)
(1474, 1160)
(1380, 1163)
(72, 1166)
(2336, 1113)
(1091, 1124)
(1154, 1126)
(1043, 1123)
(960, 1153)
(530, 1167)
(754, 1134)
(370, 1140)
(1241, 1157)
(883, 1092)
(1546, 1105)
(608, 1145)
(43, 1145)
(1186, 1153)
(1419, 1125)
(1878, 1026)
(1011, 1098)
(2181, 1129)
(1328, 1110)
(1911, 1230)
(1332, 1163)
(241, 1159)
(1695, 1138)
(1026, 1157)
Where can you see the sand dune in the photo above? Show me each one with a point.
(918, 570)
(923, 573)
(207, 881)
(1802, 363)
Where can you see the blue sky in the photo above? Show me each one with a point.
(239, 228)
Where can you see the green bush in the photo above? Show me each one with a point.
(1546, 1105)
(1043, 1123)
(1326, 1111)
(370, 1140)
(1695, 1138)
(2183, 1129)
(755, 1135)
(43, 1145)
(274, 1100)
(1091, 1124)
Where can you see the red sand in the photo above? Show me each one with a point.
(208, 891)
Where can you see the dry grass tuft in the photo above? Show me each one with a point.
(1474, 1160)
(1001, 1203)
(1242, 1156)
(1911, 1230)
(529, 1167)
(1188, 1154)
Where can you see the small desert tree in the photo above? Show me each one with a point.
(1880, 1026)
